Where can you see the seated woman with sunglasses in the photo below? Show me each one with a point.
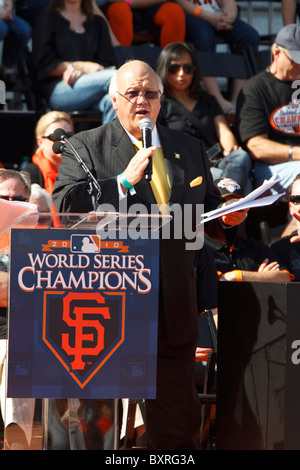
(185, 107)
(44, 166)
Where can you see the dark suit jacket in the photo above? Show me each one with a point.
(107, 151)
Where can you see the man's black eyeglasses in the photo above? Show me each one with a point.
(187, 68)
(292, 62)
(14, 198)
(51, 136)
(295, 199)
(133, 95)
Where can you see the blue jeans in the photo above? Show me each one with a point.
(238, 166)
(88, 92)
(287, 170)
(203, 35)
(18, 32)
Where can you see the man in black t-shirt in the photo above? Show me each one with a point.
(268, 112)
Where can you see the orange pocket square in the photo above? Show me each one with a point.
(196, 181)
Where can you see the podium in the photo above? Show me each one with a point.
(258, 366)
(83, 312)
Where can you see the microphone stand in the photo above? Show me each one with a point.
(94, 187)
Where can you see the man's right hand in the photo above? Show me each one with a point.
(138, 164)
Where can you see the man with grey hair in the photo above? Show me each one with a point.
(180, 176)
(12, 181)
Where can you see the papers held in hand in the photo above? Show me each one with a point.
(247, 202)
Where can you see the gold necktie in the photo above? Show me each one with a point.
(160, 184)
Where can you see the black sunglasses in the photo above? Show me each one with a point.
(14, 198)
(187, 68)
(295, 199)
(51, 136)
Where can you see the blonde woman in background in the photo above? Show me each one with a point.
(43, 168)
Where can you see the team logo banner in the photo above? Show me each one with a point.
(83, 315)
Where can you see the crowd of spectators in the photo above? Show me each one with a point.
(167, 21)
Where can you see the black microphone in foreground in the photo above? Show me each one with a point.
(60, 136)
(58, 147)
(146, 126)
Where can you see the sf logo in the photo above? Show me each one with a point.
(88, 333)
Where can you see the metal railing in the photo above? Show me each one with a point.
(270, 9)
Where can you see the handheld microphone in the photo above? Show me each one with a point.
(146, 126)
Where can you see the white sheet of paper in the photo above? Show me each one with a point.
(251, 200)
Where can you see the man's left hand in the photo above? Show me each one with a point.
(234, 218)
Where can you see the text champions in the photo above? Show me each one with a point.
(80, 271)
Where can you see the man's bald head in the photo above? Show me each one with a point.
(129, 67)
(135, 91)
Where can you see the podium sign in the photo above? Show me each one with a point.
(82, 315)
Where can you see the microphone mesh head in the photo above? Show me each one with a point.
(145, 123)
(58, 147)
(59, 134)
